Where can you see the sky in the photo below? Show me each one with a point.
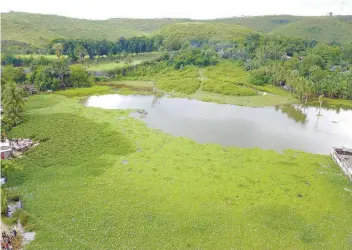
(195, 9)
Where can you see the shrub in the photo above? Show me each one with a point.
(79, 76)
(3, 202)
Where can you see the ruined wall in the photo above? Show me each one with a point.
(347, 169)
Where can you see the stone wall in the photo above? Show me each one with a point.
(346, 168)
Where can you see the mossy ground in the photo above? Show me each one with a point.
(99, 181)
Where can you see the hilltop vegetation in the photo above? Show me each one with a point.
(325, 29)
(40, 29)
(204, 30)
(263, 24)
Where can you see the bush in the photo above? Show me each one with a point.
(261, 76)
(22, 216)
(79, 76)
(182, 85)
(3, 202)
(227, 88)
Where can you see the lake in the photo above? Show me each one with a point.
(279, 128)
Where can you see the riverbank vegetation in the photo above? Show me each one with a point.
(135, 184)
(102, 176)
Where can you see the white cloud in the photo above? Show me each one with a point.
(103, 9)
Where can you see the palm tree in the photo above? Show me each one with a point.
(58, 48)
(12, 99)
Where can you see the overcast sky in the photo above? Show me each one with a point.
(197, 9)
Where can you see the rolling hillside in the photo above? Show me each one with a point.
(38, 28)
(263, 24)
(325, 29)
(204, 30)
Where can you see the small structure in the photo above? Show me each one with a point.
(21, 145)
(30, 88)
(15, 147)
(343, 158)
(6, 149)
(100, 74)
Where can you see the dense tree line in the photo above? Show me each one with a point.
(81, 48)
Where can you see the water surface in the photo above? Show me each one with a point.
(279, 128)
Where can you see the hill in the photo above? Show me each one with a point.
(263, 24)
(38, 28)
(204, 30)
(325, 29)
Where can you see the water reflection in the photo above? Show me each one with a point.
(282, 127)
(295, 112)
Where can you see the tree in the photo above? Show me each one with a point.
(80, 52)
(60, 70)
(79, 76)
(172, 44)
(329, 53)
(10, 73)
(128, 61)
(310, 61)
(58, 49)
(13, 104)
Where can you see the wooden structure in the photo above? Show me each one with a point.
(343, 158)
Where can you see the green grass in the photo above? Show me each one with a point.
(227, 82)
(250, 101)
(97, 181)
(204, 30)
(109, 65)
(37, 56)
(39, 29)
(129, 86)
(184, 85)
(262, 23)
(96, 89)
(227, 78)
(324, 29)
(129, 83)
(333, 103)
(169, 80)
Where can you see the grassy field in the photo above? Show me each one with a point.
(109, 65)
(263, 24)
(204, 30)
(250, 101)
(37, 56)
(96, 89)
(227, 82)
(39, 29)
(100, 182)
(324, 29)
